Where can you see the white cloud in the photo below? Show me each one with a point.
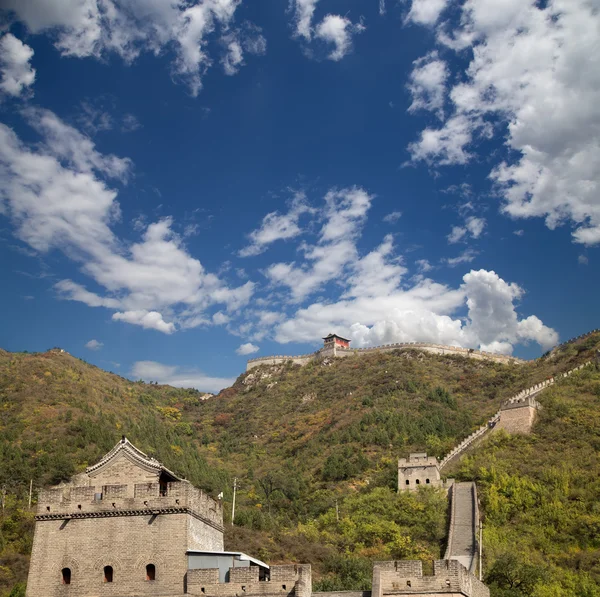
(424, 265)
(466, 256)
(16, 71)
(178, 377)
(247, 348)
(534, 71)
(305, 9)
(338, 30)
(332, 29)
(426, 12)
(150, 320)
(426, 312)
(94, 345)
(392, 217)
(345, 212)
(276, 226)
(582, 260)
(84, 28)
(519, 232)
(381, 7)
(473, 227)
(238, 42)
(427, 84)
(57, 198)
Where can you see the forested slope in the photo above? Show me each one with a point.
(314, 448)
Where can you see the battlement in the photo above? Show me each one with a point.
(405, 577)
(88, 501)
(283, 581)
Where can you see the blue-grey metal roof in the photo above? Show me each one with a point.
(242, 556)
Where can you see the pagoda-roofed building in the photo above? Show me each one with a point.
(333, 340)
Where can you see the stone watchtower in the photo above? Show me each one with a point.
(418, 470)
(124, 527)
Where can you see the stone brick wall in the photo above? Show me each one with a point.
(517, 418)
(119, 515)
(127, 543)
(449, 578)
(285, 581)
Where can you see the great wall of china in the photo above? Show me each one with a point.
(338, 352)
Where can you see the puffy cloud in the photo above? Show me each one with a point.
(426, 12)
(178, 377)
(338, 30)
(247, 348)
(57, 198)
(427, 312)
(427, 84)
(276, 226)
(94, 345)
(492, 313)
(150, 320)
(16, 72)
(333, 29)
(84, 28)
(534, 70)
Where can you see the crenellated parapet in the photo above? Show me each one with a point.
(405, 577)
(293, 580)
(137, 499)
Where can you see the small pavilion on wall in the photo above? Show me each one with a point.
(335, 340)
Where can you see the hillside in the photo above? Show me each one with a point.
(301, 441)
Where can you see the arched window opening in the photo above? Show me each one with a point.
(108, 574)
(66, 576)
(427, 481)
(407, 482)
(417, 481)
(150, 572)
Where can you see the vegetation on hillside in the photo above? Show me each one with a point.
(314, 449)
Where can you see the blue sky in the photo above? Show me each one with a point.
(187, 185)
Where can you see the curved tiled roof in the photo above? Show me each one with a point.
(136, 456)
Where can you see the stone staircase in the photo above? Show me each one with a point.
(464, 521)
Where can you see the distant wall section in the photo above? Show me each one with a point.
(340, 352)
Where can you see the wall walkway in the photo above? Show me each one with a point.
(463, 544)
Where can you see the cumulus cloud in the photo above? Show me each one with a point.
(57, 195)
(534, 72)
(84, 28)
(151, 320)
(427, 312)
(239, 42)
(333, 29)
(94, 345)
(178, 376)
(16, 72)
(338, 31)
(247, 348)
(276, 226)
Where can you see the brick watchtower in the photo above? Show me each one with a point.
(122, 528)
